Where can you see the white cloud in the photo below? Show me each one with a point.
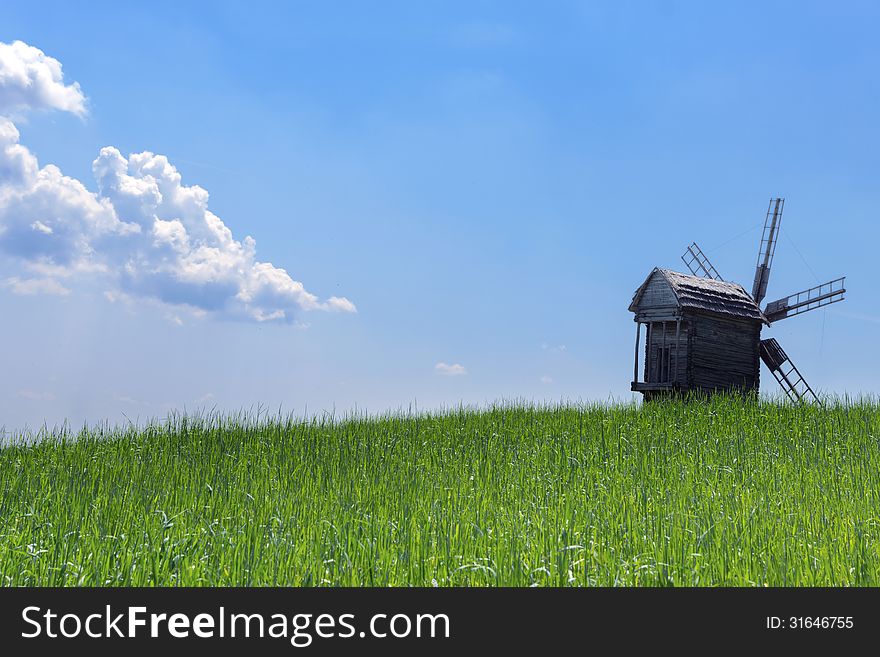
(115, 297)
(29, 286)
(36, 395)
(546, 380)
(144, 231)
(556, 349)
(31, 80)
(127, 399)
(184, 254)
(449, 370)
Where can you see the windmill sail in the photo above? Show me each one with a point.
(801, 302)
(699, 264)
(786, 374)
(767, 248)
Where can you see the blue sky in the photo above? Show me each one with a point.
(487, 183)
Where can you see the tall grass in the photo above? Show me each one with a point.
(718, 492)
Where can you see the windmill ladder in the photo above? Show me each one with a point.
(785, 372)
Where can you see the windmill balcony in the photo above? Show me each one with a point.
(641, 386)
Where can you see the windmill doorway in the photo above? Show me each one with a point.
(660, 365)
(662, 352)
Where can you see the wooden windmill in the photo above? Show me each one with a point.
(704, 333)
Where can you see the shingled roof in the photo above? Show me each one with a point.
(705, 295)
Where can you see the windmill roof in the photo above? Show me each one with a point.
(706, 295)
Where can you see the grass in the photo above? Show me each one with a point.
(719, 492)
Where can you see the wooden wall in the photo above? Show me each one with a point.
(657, 299)
(723, 353)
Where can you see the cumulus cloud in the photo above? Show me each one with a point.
(446, 369)
(145, 231)
(31, 80)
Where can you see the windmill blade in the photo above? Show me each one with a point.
(767, 248)
(801, 302)
(786, 374)
(699, 264)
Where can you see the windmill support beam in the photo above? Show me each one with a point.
(636, 366)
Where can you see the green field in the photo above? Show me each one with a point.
(723, 492)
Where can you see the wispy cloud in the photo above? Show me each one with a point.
(127, 399)
(874, 319)
(29, 286)
(546, 380)
(36, 395)
(446, 369)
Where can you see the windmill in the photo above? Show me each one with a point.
(704, 333)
